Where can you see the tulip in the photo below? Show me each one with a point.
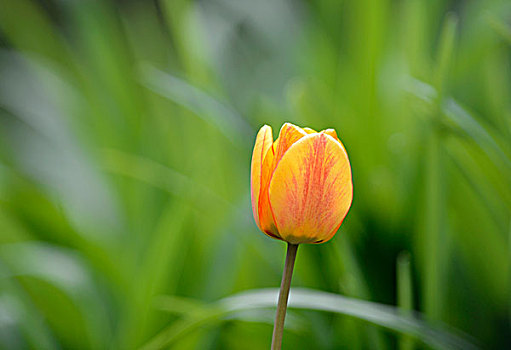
(301, 191)
(301, 184)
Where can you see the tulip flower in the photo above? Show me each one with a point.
(301, 191)
(301, 184)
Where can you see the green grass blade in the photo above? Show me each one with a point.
(63, 271)
(500, 27)
(461, 120)
(404, 294)
(159, 176)
(300, 298)
(225, 119)
(435, 250)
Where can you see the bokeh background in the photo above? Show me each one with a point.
(126, 135)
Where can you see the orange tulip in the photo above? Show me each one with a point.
(301, 184)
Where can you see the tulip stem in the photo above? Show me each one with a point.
(278, 328)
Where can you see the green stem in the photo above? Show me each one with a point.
(278, 328)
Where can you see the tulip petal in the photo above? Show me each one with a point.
(266, 223)
(333, 133)
(311, 189)
(309, 130)
(289, 134)
(264, 141)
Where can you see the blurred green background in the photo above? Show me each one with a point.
(126, 135)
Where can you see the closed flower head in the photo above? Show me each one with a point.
(301, 184)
